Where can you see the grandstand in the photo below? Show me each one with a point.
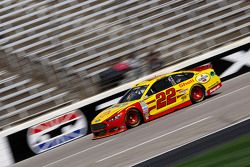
(53, 48)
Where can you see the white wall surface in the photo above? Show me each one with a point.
(6, 158)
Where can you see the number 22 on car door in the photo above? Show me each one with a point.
(164, 100)
(164, 95)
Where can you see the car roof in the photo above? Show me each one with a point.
(156, 78)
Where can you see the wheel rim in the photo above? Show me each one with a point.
(197, 93)
(132, 118)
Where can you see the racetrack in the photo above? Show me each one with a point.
(232, 104)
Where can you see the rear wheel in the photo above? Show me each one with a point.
(133, 118)
(197, 94)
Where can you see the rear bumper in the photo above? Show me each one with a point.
(213, 89)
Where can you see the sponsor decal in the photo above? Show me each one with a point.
(182, 94)
(186, 83)
(203, 78)
(145, 109)
(182, 91)
(184, 97)
(214, 89)
(212, 73)
(98, 120)
(57, 131)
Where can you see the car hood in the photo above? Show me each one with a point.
(109, 112)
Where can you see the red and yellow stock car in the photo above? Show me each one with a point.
(156, 97)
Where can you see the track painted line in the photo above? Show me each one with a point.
(216, 98)
(90, 148)
(237, 77)
(158, 137)
(198, 138)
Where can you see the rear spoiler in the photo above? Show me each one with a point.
(203, 67)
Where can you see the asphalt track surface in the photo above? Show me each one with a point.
(230, 105)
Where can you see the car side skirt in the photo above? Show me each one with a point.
(185, 104)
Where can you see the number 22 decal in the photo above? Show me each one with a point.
(165, 98)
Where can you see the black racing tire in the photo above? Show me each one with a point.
(133, 118)
(197, 93)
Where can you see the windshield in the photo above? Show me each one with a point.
(133, 94)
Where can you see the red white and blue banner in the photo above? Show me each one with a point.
(57, 131)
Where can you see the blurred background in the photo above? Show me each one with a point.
(56, 52)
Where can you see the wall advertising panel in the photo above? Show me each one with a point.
(48, 135)
(57, 131)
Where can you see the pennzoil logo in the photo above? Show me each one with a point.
(203, 78)
(55, 132)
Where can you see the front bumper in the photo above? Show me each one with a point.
(105, 129)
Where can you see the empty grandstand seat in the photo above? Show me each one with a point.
(20, 96)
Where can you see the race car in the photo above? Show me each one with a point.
(154, 98)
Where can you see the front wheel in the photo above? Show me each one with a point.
(133, 118)
(197, 94)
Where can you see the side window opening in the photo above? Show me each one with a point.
(151, 91)
(133, 94)
(182, 77)
(159, 86)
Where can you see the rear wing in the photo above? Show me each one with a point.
(203, 67)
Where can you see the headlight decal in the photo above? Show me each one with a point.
(114, 117)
